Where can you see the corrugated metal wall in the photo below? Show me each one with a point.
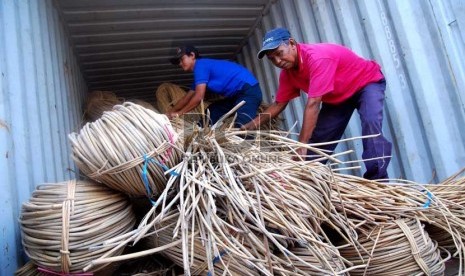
(420, 45)
(125, 46)
(40, 103)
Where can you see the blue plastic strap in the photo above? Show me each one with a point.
(216, 259)
(428, 202)
(164, 167)
(145, 178)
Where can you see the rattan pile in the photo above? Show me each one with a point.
(234, 204)
(229, 205)
(251, 210)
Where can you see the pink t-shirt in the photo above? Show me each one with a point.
(331, 71)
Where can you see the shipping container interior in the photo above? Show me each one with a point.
(52, 53)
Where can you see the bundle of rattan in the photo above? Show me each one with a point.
(442, 237)
(168, 94)
(438, 205)
(222, 261)
(333, 263)
(62, 223)
(252, 248)
(287, 189)
(145, 104)
(97, 102)
(364, 202)
(447, 224)
(401, 247)
(29, 269)
(130, 149)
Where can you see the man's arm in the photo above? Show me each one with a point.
(183, 101)
(271, 112)
(312, 109)
(195, 100)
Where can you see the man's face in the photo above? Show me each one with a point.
(186, 62)
(284, 57)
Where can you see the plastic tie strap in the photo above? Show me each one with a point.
(428, 201)
(145, 177)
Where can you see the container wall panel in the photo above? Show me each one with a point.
(420, 46)
(40, 103)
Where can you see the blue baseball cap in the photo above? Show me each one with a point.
(273, 39)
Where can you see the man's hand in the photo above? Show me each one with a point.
(249, 126)
(171, 114)
(300, 154)
(272, 111)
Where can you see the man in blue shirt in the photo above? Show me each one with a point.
(227, 79)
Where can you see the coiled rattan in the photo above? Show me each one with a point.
(62, 222)
(126, 146)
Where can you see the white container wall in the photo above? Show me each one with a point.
(40, 103)
(420, 46)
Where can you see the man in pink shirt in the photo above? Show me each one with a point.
(337, 82)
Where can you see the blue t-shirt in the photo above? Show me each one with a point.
(221, 76)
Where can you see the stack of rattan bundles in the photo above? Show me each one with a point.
(62, 223)
(239, 204)
(131, 149)
(437, 207)
(99, 101)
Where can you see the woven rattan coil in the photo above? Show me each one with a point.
(401, 247)
(129, 149)
(62, 222)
